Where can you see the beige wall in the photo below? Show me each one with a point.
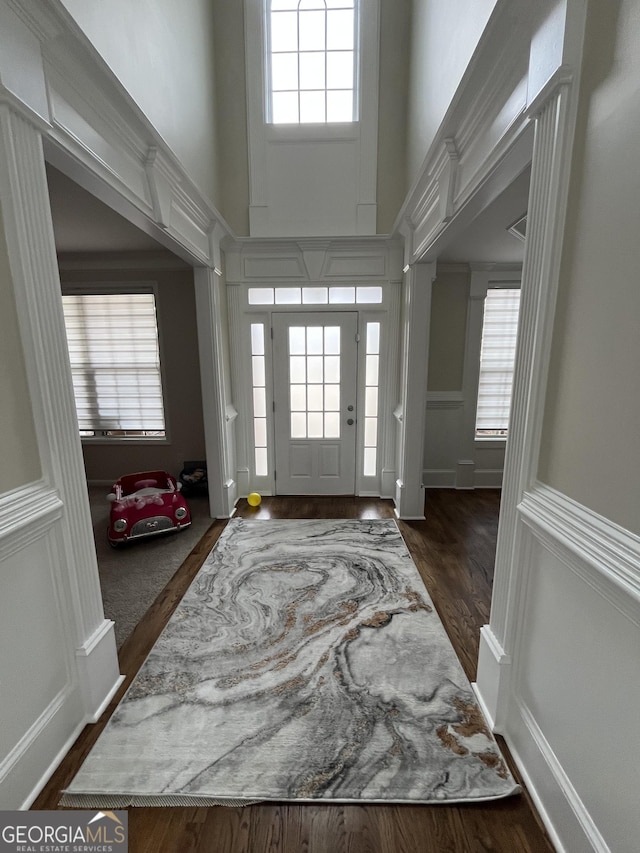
(228, 19)
(591, 436)
(181, 373)
(161, 51)
(395, 36)
(20, 456)
(448, 325)
(443, 38)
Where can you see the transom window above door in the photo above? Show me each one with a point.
(312, 61)
(343, 295)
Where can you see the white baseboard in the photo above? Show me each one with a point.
(449, 478)
(564, 814)
(62, 752)
(494, 666)
(487, 478)
(439, 478)
(97, 664)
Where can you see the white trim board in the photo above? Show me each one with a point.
(601, 552)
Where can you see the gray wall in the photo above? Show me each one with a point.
(448, 325)
(162, 53)
(590, 443)
(443, 38)
(395, 36)
(181, 372)
(233, 149)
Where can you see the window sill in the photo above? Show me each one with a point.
(335, 132)
(491, 443)
(128, 440)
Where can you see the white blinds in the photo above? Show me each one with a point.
(499, 332)
(115, 362)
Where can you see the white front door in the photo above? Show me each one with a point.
(315, 359)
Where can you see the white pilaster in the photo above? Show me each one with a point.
(409, 498)
(34, 269)
(555, 122)
(212, 315)
(391, 393)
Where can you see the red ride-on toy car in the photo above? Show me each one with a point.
(146, 504)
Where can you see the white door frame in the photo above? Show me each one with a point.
(387, 313)
(344, 480)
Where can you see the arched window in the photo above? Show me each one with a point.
(312, 61)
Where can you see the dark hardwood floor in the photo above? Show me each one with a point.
(454, 551)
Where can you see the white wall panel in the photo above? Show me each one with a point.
(576, 694)
(31, 623)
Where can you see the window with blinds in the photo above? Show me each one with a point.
(115, 364)
(499, 333)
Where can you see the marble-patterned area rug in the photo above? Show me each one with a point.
(305, 662)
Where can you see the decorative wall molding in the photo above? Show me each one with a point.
(601, 553)
(565, 791)
(37, 291)
(13, 758)
(346, 154)
(345, 259)
(26, 514)
(484, 141)
(102, 132)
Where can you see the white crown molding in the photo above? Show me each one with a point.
(38, 17)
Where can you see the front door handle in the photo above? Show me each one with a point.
(350, 421)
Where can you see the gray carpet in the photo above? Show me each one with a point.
(305, 662)
(132, 576)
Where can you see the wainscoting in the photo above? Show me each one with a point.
(565, 696)
(447, 462)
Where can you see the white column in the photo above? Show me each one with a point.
(555, 121)
(411, 416)
(34, 269)
(211, 313)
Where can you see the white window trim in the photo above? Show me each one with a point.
(367, 312)
(268, 103)
(487, 375)
(363, 132)
(482, 279)
(117, 287)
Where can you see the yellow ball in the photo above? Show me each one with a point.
(254, 499)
